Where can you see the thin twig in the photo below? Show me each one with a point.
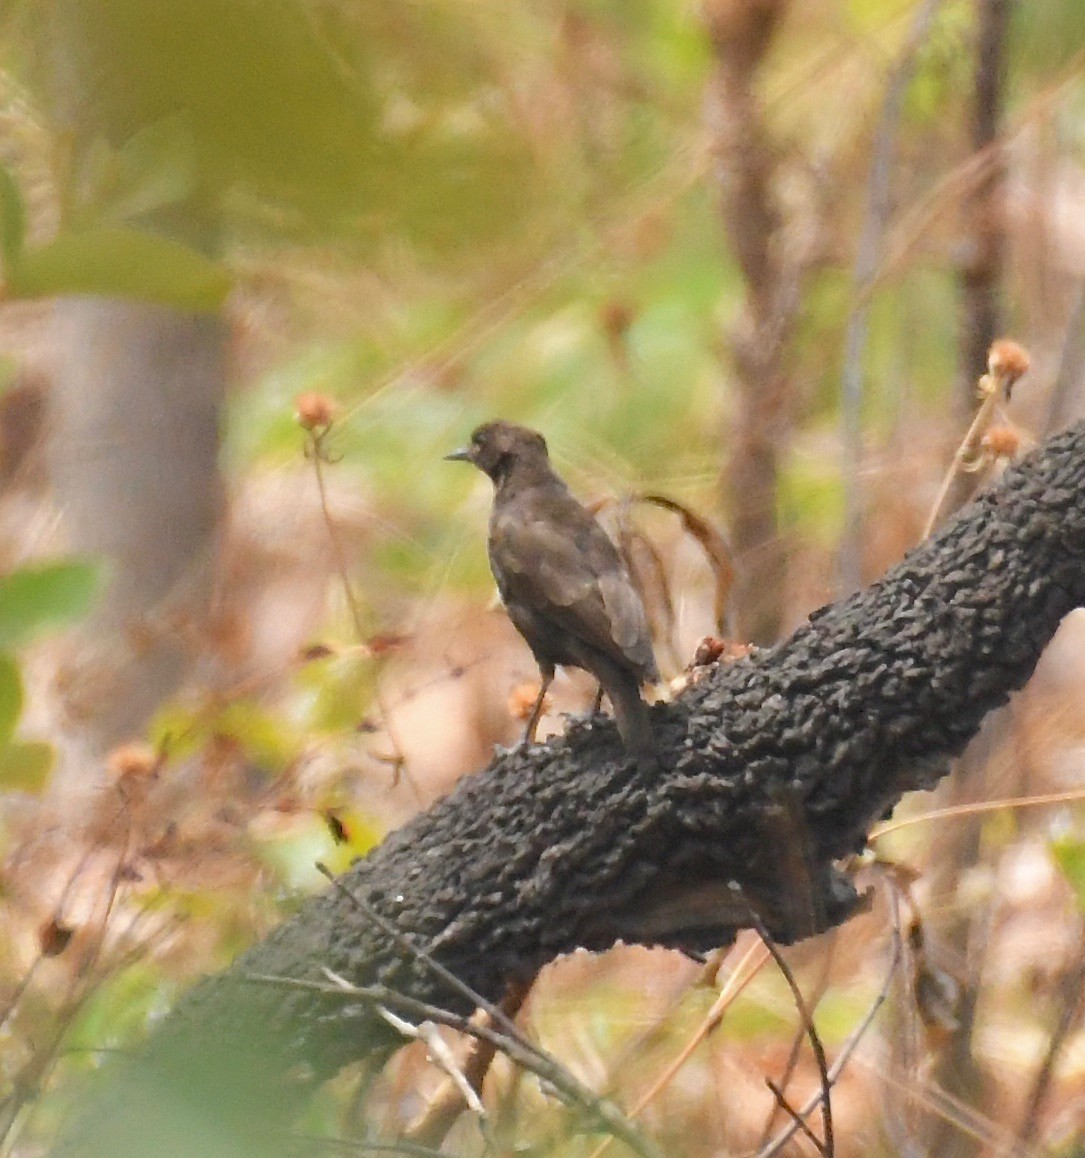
(317, 453)
(605, 1113)
(1073, 996)
(867, 259)
(849, 1047)
(796, 1118)
(826, 1147)
(796, 1045)
(753, 962)
(441, 1114)
(440, 1055)
(514, 1046)
(1006, 363)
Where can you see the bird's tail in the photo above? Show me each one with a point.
(631, 715)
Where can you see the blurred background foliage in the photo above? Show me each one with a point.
(432, 213)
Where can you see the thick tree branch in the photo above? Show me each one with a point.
(773, 768)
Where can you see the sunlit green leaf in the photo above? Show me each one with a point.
(293, 853)
(11, 698)
(12, 221)
(154, 169)
(1069, 854)
(267, 741)
(118, 262)
(25, 767)
(263, 734)
(118, 1008)
(34, 599)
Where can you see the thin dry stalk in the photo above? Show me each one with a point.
(796, 1045)
(511, 1041)
(777, 1145)
(745, 971)
(1006, 363)
(1070, 797)
(1072, 1003)
(716, 550)
(826, 1146)
(867, 258)
(983, 211)
(441, 1114)
(317, 453)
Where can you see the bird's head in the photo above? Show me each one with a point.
(497, 446)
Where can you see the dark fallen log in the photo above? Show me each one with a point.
(775, 767)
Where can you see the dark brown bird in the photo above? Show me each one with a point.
(562, 580)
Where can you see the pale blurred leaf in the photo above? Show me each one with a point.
(34, 599)
(117, 262)
(11, 698)
(1069, 854)
(25, 767)
(12, 220)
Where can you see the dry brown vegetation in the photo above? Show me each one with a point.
(672, 313)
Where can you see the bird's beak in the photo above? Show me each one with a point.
(461, 455)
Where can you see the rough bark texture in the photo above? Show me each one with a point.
(774, 767)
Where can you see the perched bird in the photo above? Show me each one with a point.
(563, 583)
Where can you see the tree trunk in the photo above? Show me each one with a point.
(136, 397)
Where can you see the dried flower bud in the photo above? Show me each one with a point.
(53, 937)
(616, 316)
(522, 700)
(709, 650)
(315, 411)
(1002, 442)
(315, 651)
(1007, 360)
(378, 645)
(132, 762)
(715, 649)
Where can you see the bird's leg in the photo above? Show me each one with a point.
(597, 703)
(536, 711)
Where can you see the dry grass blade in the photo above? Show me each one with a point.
(1070, 797)
(777, 1145)
(511, 1040)
(745, 971)
(449, 1103)
(1072, 1002)
(827, 1145)
(716, 549)
(650, 575)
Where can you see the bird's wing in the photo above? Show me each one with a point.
(567, 568)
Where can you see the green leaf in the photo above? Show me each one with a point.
(11, 698)
(1069, 854)
(118, 262)
(25, 767)
(12, 221)
(34, 599)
